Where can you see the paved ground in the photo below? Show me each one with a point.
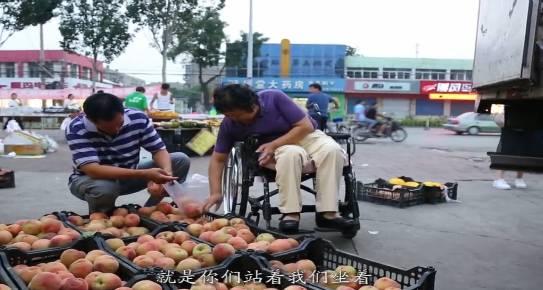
(491, 240)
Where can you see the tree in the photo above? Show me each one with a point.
(236, 53)
(95, 28)
(203, 44)
(164, 19)
(350, 51)
(8, 20)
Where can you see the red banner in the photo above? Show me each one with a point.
(29, 94)
(429, 87)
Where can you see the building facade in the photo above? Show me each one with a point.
(122, 79)
(410, 86)
(20, 69)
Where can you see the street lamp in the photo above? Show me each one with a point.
(250, 43)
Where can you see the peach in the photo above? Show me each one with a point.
(54, 267)
(159, 216)
(29, 239)
(275, 264)
(295, 287)
(188, 246)
(127, 252)
(91, 277)
(192, 209)
(306, 265)
(113, 231)
(201, 249)
(74, 284)
(238, 243)
(241, 226)
(51, 226)
(114, 244)
(206, 236)
(343, 287)
(32, 227)
(146, 211)
(142, 249)
(19, 268)
(146, 285)
(97, 216)
(21, 246)
(41, 244)
(368, 288)
(279, 245)
(176, 254)
(293, 242)
(261, 246)
(174, 217)
(92, 255)
(164, 207)
(385, 282)
(106, 264)
(61, 240)
(145, 238)
(14, 229)
(5, 237)
(121, 211)
(247, 235)
(137, 231)
(223, 251)
(73, 234)
(180, 237)
(207, 227)
(207, 260)
(71, 255)
(230, 230)
(81, 268)
(220, 237)
(165, 263)
(46, 236)
(167, 236)
(154, 255)
(65, 274)
(236, 221)
(144, 261)
(28, 273)
(220, 286)
(45, 281)
(124, 288)
(349, 270)
(265, 237)
(219, 223)
(117, 221)
(106, 281)
(131, 220)
(76, 220)
(188, 264)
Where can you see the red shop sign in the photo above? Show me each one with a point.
(428, 87)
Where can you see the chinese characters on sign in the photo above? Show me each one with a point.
(273, 278)
(293, 84)
(445, 87)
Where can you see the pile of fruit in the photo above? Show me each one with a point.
(234, 283)
(165, 212)
(163, 115)
(120, 224)
(171, 250)
(34, 234)
(77, 270)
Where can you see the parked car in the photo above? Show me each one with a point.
(472, 123)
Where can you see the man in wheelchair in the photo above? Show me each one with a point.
(291, 141)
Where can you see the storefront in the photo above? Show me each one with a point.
(298, 88)
(392, 97)
(444, 98)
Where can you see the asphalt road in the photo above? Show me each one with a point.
(492, 239)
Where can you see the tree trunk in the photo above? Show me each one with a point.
(42, 65)
(164, 61)
(203, 87)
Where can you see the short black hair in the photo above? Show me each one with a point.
(234, 97)
(316, 86)
(99, 91)
(165, 86)
(70, 95)
(140, 89)
(102, 107)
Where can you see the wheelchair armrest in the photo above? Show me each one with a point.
(339, 136)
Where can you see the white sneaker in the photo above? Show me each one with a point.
(501, 184)
(519, 183)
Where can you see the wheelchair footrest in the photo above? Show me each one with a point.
(327, 230)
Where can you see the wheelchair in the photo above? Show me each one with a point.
(242, 168)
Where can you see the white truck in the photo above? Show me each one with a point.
(508, 70)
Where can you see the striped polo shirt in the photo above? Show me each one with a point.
(88, 145)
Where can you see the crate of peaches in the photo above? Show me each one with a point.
(83, 266)
(120, 223)
(169, 249)
(241, 272)
(37, 234)
(322, 265)
(168, 213)
(240, 234)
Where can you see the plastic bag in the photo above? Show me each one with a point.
(13, 126)
(190, 195)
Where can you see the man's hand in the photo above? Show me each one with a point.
(156, 189)
(266, 153)
(213, 200)
(158, 175)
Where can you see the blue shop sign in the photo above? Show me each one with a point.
(289, 84)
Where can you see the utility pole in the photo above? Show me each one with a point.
(42, 65)
(250, 43)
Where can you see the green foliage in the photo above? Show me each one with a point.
(35, 12)
(8, 19)
(434, 122)
(236, 52)
(350, 51)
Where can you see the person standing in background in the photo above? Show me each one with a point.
(70, 103)
(14, 101)
(317, 104)
(164, 99)
(137, 101)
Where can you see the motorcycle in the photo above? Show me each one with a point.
(393, 130)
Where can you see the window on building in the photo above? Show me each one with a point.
(396, 73)
(317, 63)
(328, 63)
(74, 71)
(33, 70)
(350, 74)
(357, 74)
(429, 74)
(275, 62)
(7, 70)
(469, 76)
(295, 62)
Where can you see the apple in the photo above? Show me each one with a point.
(238, 243)
(207, 260)
(32, 227)
(293, 242)
(206, 236)
(247, 235)
(41, 244)
(5, 237)
(28, 273)
(106, 264)
(145, 238)
(265, 237)
(201, 249)
(222, 251)
(220, 237)
(121, 211)
(51, 225)
(65, 274)
(165, 263)
(142, 249)
(92, 255)
(192, 209)
(29, 239)
(219, 223)
(167, 236)
(188, 264)
(176, 254)
(74, 284)
(117, 221)
(290, 268)
(349, 270)
(131, 220)
(279, 245)
(45, 281)
(106, 281)
(195, 229)
(144, 261)
(127, 252)
(14, 229)
(61, 241)
(81, 268)
(71, 255)
(146, 285)
(180, 237)
(91, 277)
(307, 266)
(154, 255)
(114, 244)
(385, 282)
(188, 246)
(137, 231)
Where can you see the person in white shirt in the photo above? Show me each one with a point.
(14, 102)
(70, 103)
(164, 99)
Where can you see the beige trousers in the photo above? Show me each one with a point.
(328, 158)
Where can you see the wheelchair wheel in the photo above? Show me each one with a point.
(232, 180)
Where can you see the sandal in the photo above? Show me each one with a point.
(288, 225)
(337, 222)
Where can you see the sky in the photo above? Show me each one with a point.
(389, 28)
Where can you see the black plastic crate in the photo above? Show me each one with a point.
(13, 257)
(327, 257)
(247, 266)
(5, 278)
(7, 178)
(382, 194)
(433, 194)
(144, 222)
